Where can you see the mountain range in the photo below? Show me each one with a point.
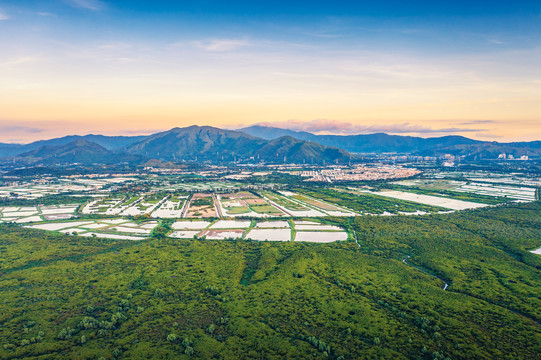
(194, 143)
(108, 142)
(255, 143)
(80, 151)
(384, 143)
(210, 143)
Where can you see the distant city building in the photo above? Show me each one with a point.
(359, 173)
(524, 157)
(502, 156)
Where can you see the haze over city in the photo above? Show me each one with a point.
(419, 68)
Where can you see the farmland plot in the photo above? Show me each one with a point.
(311, 231)
(283, 202)
(208, 186)
(144, 205)
(512, 192)
(201, 205)
(29, 219)
(272, 224)
(323, 206)
(231, 207)
(184, 234)
(112, 229)
(300, 205)
(57, 210)
(37, 213)
(431, 200)
(171, 208)
(59, 226)
(317, 227)
(231, 224)
(107, 206)
(269, 234)
(222, 234)
(320, 236)
(33, 191)
(244, 203)
(113, 236)
(189, 225)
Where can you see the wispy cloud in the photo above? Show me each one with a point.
(19, 61)
(486, 135)
(47, 14)
(326, 126)
(496, 41)
(325, 35)
(94, 5)
(25, 131)
(116, 46)
(477, 122)
(20, 129)
(219, 45)
(3, 16)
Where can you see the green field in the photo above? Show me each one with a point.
(204, 201)
(282, 201)
(238, 210)
(82, 298)
(265, 209)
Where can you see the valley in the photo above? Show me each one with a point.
(132, 206)
(181, 262)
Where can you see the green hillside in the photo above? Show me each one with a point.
(83, 298)
(210, 143)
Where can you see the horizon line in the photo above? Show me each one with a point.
(156, 131)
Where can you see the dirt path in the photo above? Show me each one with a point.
(445, 284)
(187, 206)
(356, 240)
(217, 206)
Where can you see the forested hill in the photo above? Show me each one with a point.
(384, 143)
(83, 298)
(274, 144)
(80, 152)
(194, 143)
(210, 143)
(108, 142)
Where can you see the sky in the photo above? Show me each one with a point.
(419, 68)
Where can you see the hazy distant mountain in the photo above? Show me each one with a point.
(209, 143)
(366, 143)
(108, 142)
(271, 133)
(79, 151)
(268, 144)
(383, 143)
(488, 150)
(10, 149)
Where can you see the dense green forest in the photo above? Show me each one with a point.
(83, 298)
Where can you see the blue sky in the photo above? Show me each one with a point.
(424, 68)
